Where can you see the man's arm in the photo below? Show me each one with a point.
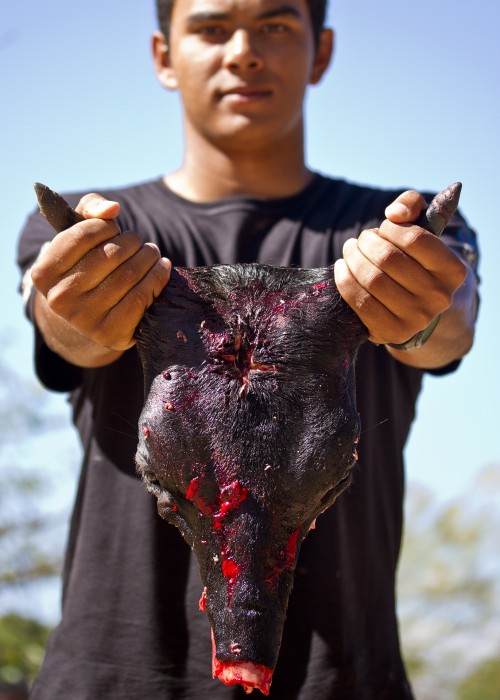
(93, 285)
(399, 277)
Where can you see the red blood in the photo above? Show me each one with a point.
(193, 495)
(287, 557)
(145, 432)
(230, 498)
(292, 548)
(193, 488)
(230, 568)
(175, 509)
(203, 600)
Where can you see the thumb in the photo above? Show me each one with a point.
(406, 208)
(94, 206)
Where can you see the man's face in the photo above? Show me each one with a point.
(242, 68)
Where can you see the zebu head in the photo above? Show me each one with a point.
(248, 433)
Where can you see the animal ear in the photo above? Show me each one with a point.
(169, 332)
(162, 63)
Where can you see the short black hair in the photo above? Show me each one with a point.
(317, 10)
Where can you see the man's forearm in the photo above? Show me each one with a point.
(66, 341)
(454, 334)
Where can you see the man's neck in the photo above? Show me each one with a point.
(209, 173)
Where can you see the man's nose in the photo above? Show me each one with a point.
(241, 52)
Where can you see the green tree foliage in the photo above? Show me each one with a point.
(483, 683)
(22, 644)
(35, 486)
(449, 587)
(32, 525)
(26, 553)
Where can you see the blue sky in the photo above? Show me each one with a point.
(412, 99)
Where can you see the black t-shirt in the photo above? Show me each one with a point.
(131, 628)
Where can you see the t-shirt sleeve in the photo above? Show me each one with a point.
(53, 371)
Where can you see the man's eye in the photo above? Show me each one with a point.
(211, 31)
(275, 28)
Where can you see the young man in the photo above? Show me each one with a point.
(131, 627)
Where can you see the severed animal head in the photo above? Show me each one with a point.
(248, 433)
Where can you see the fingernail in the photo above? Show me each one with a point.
(397, 209)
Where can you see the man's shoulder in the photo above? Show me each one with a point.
(352, 205)
(355, 189)
(121, 193)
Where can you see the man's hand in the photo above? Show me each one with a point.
(398, 277)
(97, 283)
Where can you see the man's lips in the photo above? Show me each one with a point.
(246, 93)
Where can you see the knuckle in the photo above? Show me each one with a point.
(459, 270)
(364, 304)
(138, 299)
(375, 280)
(140, 264)
(93, 227)
(443, 298)
(392, 255)
(160, 276)
(401, 332)
(78, 317)
(420, 319)
(58, 300)
(103, 335)
(111, 249)
(387, 257)
(417, 240)
(119, 247)
(88, 235)
(38, 274)
(412, 198)
(129, 272)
